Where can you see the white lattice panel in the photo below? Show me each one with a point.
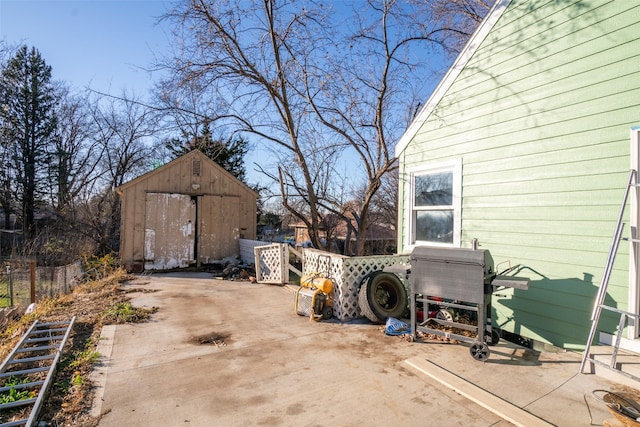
(272, 264)
(346, 274)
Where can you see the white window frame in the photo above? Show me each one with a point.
(453, 166)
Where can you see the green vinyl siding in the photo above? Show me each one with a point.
(540, 116)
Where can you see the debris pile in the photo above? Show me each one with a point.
(461, 318)
(232, 268)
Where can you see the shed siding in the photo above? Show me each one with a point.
(219, 227)
(540, 116)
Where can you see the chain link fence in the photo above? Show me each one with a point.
(22, 283)
(6, 294)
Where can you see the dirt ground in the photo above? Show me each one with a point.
(70, 398)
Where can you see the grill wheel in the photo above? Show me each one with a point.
(479, 351)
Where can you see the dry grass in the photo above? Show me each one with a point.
(94, 304)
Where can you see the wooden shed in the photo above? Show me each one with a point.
(190, 211)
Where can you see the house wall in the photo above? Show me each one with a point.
(221, 197)
(540, 117)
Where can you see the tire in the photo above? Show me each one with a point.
(385, 297)
(491, 338)
(363, 304)
(444, 314)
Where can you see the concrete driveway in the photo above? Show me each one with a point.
(223, 353)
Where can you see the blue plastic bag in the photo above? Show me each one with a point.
(396, 327)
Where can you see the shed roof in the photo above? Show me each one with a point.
(461, 61)
(191, 154)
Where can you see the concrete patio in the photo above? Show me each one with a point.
(230, 353)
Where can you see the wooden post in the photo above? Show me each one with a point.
(32, 280)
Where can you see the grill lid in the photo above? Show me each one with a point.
(479, 257)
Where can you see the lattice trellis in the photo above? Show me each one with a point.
(272, 263)
(346, 274)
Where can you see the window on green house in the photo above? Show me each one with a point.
(435, 203)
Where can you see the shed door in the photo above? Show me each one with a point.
(219, 227)
(169, 239)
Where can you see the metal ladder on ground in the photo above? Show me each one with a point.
(30, 367)
(599, 305)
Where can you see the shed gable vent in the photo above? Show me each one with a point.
(197, 164)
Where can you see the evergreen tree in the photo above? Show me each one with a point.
(229, 154)
(29, 122)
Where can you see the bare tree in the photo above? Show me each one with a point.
(65, 153)
(124, 136)
(74, 154)
(461, 16)
(125, 130)
(249, 61)
(386, 200)
(312, 83)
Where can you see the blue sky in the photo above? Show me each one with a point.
(103, 44)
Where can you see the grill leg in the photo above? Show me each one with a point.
(412, 308)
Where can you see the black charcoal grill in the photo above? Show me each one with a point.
(460, 281)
